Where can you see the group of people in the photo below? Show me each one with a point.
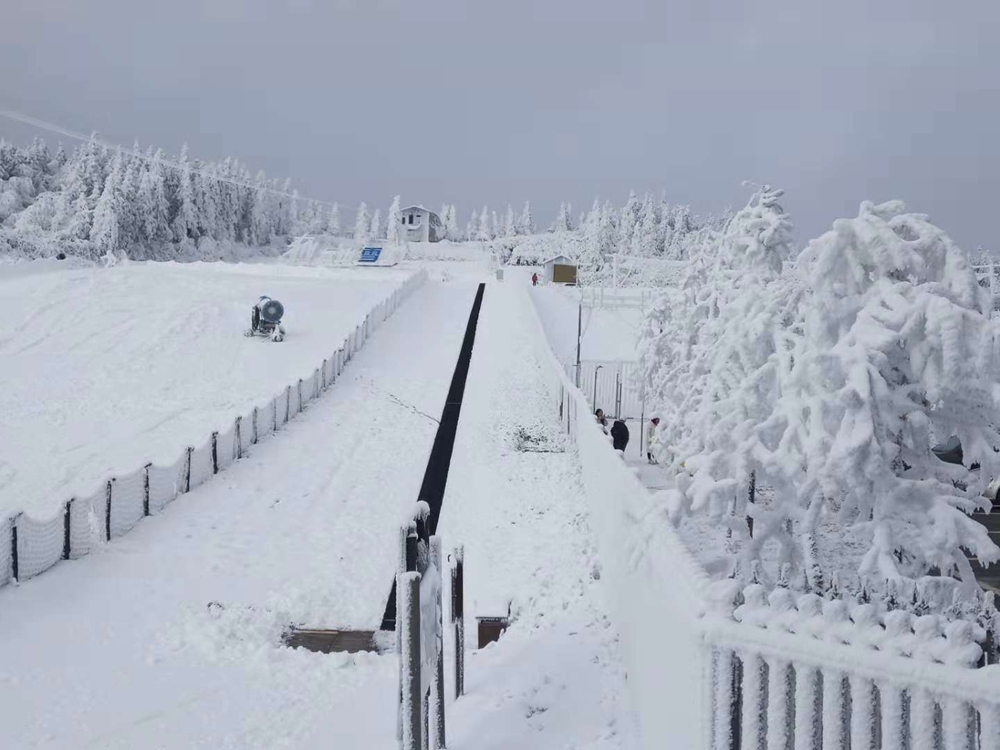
(619, 433)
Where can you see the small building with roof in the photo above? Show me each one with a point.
(560, 269)
(421, 225)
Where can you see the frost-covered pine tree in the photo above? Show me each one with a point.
(375, 230)
(562, 219)
(526, 224)
(185, 222)
(485, 233)
(333, 223)
(154, 208)
(472, 230)
(508, 222)
(392, 223)
(452, 232)
(628, 222)
(106, 234)
(496, 228)
(362, 224)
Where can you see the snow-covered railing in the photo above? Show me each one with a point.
(715, 667)
(818, 673)
(29, 546)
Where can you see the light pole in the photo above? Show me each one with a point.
(593, 402)
(579, 336)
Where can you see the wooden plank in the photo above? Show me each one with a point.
(335, 641)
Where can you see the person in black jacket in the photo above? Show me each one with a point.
(619, 435)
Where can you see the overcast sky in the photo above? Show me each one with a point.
(547, 100)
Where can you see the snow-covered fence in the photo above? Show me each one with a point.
(29, 546)
(420, 635)
(715, 667)
(838, 673)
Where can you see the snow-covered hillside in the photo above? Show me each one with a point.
(105, 369)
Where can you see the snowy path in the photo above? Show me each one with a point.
(106, 369)
(121, 650)
(554, 680)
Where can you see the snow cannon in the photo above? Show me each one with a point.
(265, 319)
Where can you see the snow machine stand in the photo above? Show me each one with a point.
(265, 319)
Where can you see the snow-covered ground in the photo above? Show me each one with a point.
(169, 636)
(106, 369)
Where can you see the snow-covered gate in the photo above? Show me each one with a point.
(715, 667)
(614, 386)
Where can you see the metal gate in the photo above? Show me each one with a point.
(614, 386)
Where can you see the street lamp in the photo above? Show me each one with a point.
(594, 400)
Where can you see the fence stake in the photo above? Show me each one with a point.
(288, 403)
(299, 389)
(187, 471)
(324, 374)
(239, 437)
(107, 513)
(253, 434)
(215, 452)
(409, 587)
(66, 529)
(14, 562)
(145, 489)
(437, 682)
(458, 617)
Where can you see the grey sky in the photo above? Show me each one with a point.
(558, 100)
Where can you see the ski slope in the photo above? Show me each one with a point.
(175, 628)
(106, 369)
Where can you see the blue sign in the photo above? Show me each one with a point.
(370, 255)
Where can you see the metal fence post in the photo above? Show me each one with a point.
(67, 528)
(14, 562)
(145, 489)
(409, 587)
(437, 682)
(107, 512)
(458, 618)
(187, 470)
(239, 437)
(253, 434)
(215, 452)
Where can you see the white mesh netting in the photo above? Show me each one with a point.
(201, 464)
(85, 530)
(127, 498)
(226, 448)
(166, 483)
(246, 432)
(5, 556)
(39, 544)
(265, 420)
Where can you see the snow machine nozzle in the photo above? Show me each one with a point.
(265, 319)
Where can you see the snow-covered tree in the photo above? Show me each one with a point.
(185, 221)
(628, 222)
(106, 232)
(362, 224)
(508, 222)
(562, 219)
(393, 222)
(472, 229)
(452, 232)
(485, 233)
(375, 230)
(526, 224)
(333, 224)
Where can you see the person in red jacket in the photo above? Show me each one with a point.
(534, 279)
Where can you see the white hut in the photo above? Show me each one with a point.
(560, 270)
(421, 225)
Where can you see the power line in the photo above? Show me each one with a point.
(67, 132)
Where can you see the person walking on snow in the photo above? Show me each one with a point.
(619, 435)
(602, 420)
(650, 437)
(534, 279)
